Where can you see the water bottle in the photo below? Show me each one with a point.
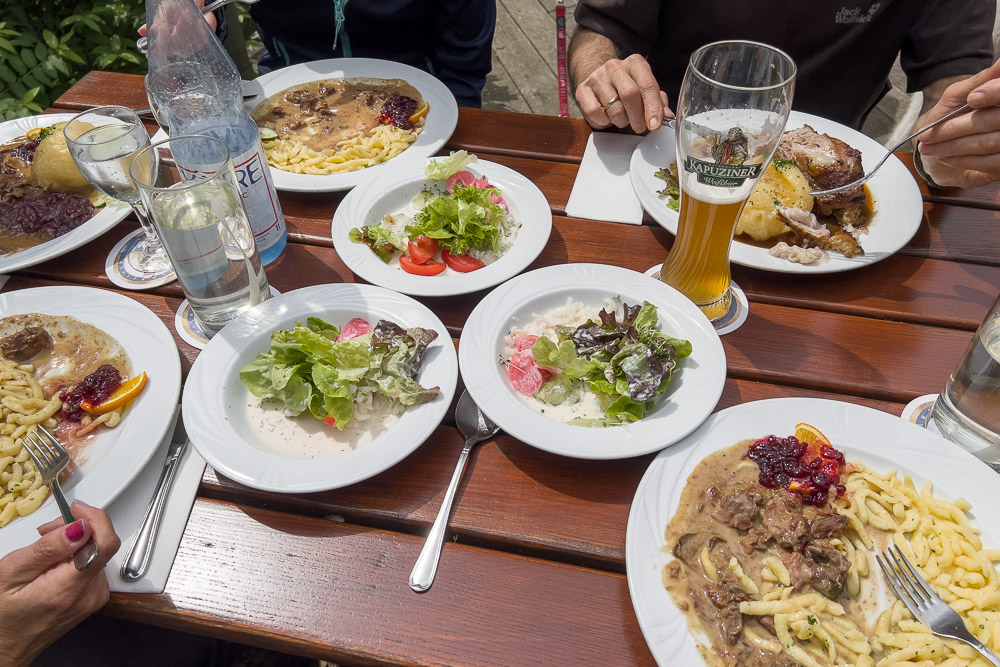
(198, 90)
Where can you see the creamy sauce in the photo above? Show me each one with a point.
(321, 113)
(716, 475)
(306, 437)
(587, 407)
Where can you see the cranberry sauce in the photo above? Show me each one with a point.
(397, 111)
(807, 470)
(95, 389)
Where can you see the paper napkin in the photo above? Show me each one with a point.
(603, 187)
(3, 279)
(127, 511)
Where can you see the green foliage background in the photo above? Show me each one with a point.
(46, 45)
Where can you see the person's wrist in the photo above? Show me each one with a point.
(918, 166)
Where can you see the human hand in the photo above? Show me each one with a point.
(42, 594)
(213, 23)
(635, 96)
(964, 151)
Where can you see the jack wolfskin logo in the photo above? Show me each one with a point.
(856, 15)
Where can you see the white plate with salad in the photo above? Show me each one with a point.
(442, 226)
(592, 361)
(320, 388)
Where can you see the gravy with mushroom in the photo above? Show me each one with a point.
(321, 113)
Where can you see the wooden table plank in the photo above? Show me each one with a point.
(559, 524)
(337, 591)
(987, 196)
(904, 287)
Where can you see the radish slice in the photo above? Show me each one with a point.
(466, 178)
(524, 374)
(525, 342)
(353, 329)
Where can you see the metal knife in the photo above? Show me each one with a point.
(138, 555)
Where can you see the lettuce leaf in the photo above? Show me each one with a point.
(440, 170)
(306, 369)
(462, 220)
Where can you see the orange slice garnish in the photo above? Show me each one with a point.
(420, 112)
(809, 433)
(124, 395)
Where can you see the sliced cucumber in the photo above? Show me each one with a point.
(266, 133)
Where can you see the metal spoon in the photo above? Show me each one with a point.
(211, 7)
(476, 427)
(866, 177)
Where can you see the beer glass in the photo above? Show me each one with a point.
(968, 410)
(732, 109)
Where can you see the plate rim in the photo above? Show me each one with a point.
(489, 390)
(660, 489)
(429, 85)
(894, 180)
(102, 221)
(203, 425)
(360, 260)
(131, 456)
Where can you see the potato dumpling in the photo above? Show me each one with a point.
(782, 184)
(53, 166)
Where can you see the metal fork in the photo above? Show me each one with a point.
(889, 153)
(50, 458)
(925, 604)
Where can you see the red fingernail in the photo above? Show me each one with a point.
(74, 531)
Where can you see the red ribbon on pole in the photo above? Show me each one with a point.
(561, 58)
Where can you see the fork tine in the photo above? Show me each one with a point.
(916, 592)
(53, 445)
(920, 581)
(35, 456)
(44, 448)
(893, 580)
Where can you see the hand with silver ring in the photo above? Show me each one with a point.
(631, 82)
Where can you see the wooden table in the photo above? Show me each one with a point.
(534, 572)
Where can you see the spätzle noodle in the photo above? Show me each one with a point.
(21, 407)
(383, 143)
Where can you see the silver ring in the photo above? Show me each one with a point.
(610, 102)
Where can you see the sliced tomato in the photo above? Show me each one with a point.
(422, 248)
(330, 420)
(429, 268)
(461, 263)
(464, 177)
(353, 329)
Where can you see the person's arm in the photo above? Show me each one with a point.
(42, 594)
(612, 91)
(964, 151)
(462, 48)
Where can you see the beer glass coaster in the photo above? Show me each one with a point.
(121, 268)
(918, 411)
(738, 310)
(189, 328)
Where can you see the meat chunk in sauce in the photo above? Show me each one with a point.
(784, 521)
(738, 509)
(25, 344)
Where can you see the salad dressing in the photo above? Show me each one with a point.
(305, 437)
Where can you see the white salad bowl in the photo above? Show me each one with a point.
(393, 190)
(689, 399)
(215, 400)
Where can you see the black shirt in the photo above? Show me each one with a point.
(844, 49)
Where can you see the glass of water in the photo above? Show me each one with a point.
(188, 186)
(103, 142)
(968, 409)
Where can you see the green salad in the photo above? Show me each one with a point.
(624, 363)
(317, 367)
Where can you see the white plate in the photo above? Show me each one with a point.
(115, 456)
(395, 187)
(899, 208)
(691, 395)
(215, 400)
(438, 126)
(880, 440)
(105, 218)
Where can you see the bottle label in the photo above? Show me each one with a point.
(253, 177)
